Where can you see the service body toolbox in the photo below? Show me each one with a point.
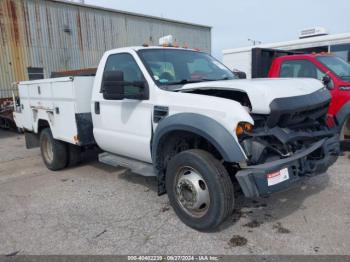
(65, 102)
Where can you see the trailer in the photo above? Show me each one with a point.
(337, 44)
(6, 114)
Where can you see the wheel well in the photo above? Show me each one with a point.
(175, 142)
(42, 124)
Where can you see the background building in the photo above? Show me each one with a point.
(38, 37)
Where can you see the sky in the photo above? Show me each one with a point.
(236, 21)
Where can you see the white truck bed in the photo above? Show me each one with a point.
(65, 103)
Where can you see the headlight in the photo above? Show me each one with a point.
(243, 127)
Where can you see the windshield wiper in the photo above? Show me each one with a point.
(184, 81)
(187, 81)
(220, 79)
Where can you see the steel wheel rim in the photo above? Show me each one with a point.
(342, 133)
(47, 150)
(192, 192)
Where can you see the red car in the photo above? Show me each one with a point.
(330, 69)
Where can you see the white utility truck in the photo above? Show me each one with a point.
(182, 116)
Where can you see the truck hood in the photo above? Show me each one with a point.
(261, 92)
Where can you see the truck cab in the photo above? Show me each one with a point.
(332, 70)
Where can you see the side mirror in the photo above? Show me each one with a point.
(113, 85)
(327, 81)
(240, 74)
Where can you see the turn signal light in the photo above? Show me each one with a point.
(244, 127)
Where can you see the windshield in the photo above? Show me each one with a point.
(337, 66)
(171, 67)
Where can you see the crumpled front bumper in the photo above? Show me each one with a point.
(254, 179)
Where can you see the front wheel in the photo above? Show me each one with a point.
(199, 189)
(344, 136)
(53, 152)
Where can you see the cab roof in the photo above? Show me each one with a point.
(137, 48)
(312, 55)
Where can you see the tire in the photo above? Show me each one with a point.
(216, 187)
(53, 152)
(345, 145)
(344, 141)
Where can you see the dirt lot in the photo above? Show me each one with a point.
(95, 209)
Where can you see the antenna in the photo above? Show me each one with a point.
(254, 42)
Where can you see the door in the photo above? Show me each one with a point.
(123, 127)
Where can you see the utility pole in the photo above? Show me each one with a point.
(254, 42)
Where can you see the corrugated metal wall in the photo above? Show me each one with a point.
(61, 36)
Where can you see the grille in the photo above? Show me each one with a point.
(303, 117)
(299, 110)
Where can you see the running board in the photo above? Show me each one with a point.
(137, 167)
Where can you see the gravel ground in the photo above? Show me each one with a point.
(96, 209)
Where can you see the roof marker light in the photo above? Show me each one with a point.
(166, 41)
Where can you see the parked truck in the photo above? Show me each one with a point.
(182, 116)
(333, 71)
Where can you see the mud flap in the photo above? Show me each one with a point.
(32, 140)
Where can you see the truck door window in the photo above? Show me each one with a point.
(300, 68)
(126, 63)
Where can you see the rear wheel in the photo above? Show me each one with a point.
(199, 189)
(53, 152)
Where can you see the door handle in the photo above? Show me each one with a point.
(97, 108)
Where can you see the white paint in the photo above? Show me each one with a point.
(261, 92)
(40, 98)
(125, 127)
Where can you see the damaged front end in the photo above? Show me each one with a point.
(290, 144)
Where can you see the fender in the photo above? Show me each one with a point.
(42, 116)
(343, 114)
(32, 137)
(203, 126)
